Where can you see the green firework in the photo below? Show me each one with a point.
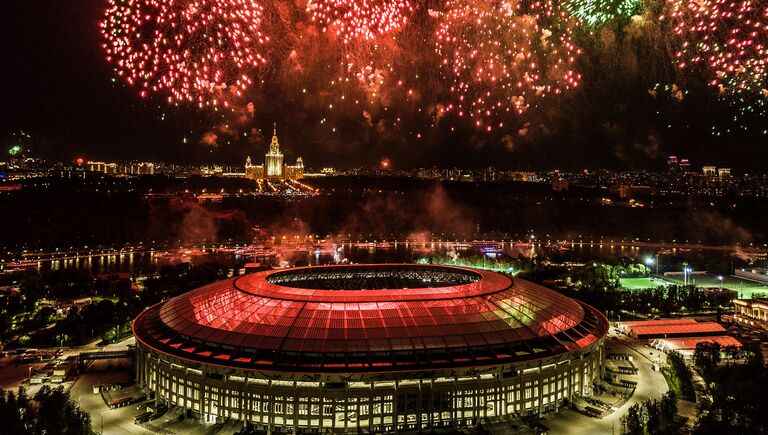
(595, 13)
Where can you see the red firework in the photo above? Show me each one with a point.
(498, 56)
(198, 51)
(360, 19)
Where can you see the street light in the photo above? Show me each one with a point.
(657, 264)
(720, 278)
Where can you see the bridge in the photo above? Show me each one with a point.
(86, 357)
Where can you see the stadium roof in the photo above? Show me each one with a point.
(456, 317)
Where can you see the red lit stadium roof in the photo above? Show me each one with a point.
(369, 318)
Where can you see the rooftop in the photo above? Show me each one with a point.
(362, 318)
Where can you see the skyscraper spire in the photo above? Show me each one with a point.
(274, 146)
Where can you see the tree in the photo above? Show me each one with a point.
(58, 414)
(733, 352)
(32, 289)
(753, 355)
(668, 408)
(707, 355)
(633, 421)
(653, 413)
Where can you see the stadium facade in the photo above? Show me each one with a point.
(369, 348)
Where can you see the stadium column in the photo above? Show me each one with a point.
(321, 404)
(201, 396)
(155, 382)
(248, 418)
(271, 408)
(504, 396)
(139, 367)
(558, 385)
(346, 406)
(520, 393)
(370, 408)
(295, 407)
(602, 360)
(241, 398)
(418, 405)
(476, 401)
(182, 385)
(569, 381)
(431, 404)
(205, 406)
(333, 413)
(454, 402)
(498, 394)
(394, 406)
(540, 399)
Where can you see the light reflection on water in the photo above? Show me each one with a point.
(139, 263)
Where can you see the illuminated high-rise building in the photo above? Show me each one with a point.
(274, 167)
(273, 161)
(672, 163)
(685, 165)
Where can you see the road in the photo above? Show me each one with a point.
(650, 385)
(117, 421)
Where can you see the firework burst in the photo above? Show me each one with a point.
(365, 20)
(498, 56)
(196, 51)
(595, 13)
(729, 37)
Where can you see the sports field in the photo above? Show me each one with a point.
(641, 283)
(743, 287)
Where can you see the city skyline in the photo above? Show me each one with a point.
(72, 103)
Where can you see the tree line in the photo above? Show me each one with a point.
(50, 411)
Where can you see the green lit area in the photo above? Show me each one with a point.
(642, 283)
(595, 13)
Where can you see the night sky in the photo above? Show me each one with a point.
(59, 88)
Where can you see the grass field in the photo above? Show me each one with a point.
(641, 283)
(743, 287)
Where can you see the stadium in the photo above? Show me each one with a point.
(368, 348)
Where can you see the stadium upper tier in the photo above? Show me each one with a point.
(369, 319)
